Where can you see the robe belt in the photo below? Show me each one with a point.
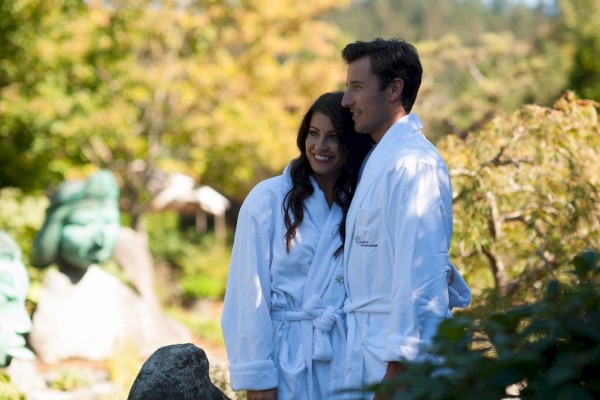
(378, 305)
(323, 318)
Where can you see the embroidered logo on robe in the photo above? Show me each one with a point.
(339, 279)
(364, 243)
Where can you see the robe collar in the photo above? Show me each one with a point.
(315, 206)
(393, 139)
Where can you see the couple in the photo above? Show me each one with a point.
(325, 294)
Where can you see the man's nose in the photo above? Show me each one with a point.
(347, 100)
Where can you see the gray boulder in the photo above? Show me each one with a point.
(95, 317)
(176, 372)
(134, 258)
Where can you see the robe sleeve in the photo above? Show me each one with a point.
(418, 224)
(246, 321)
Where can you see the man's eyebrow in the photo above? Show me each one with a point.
(353, 82)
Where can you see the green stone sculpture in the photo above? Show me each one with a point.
(14, 319)
(82, 224)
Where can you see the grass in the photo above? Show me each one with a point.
(206, 327)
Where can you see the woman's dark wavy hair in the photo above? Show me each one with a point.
(353, 147)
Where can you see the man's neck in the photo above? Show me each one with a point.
(377, 136)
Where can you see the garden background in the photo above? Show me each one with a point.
(215, 89)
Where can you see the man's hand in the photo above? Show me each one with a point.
(394, 369)
(270, 394)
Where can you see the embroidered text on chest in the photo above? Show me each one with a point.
(364, 243)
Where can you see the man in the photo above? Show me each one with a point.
(399, 226)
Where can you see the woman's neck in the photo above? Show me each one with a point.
(326, 184)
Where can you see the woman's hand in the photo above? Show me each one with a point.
(270, 394)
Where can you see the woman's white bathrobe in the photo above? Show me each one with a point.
(282, 320)
(397, 269)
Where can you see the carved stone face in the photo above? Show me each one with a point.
(90, 233)
(82, 224)
(14, 319)
(13, 292)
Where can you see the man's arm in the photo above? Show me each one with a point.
(393, 371)
(270, 394)
(419, 299)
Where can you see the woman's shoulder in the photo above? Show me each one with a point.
(273, 186)
(267, 193)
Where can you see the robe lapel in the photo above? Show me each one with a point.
(320, 289)
(315, 206)
(323, 263)
(327, 221)
(384, 150)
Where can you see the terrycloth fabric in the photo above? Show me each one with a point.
(397, 268)
(282, 320)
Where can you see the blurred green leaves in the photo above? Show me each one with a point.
(547, 349)
(526, 197)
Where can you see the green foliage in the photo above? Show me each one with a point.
(480, 58)
(204, 325)
(123, 367)
(526, 197)
(216, 90)
(140, 87)
(7, 390)
(35, 89)
(21, 216)
(467, 83)
(421, 20)
(580, 24)
(200, 261)
(548, 349)
(68, 378)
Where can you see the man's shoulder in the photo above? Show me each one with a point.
(417, 149)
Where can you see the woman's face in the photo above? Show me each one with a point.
(323, 149)
(89, 235)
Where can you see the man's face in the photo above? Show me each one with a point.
(370, 106)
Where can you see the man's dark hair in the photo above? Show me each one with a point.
(390, 59)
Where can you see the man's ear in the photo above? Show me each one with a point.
(396, 87)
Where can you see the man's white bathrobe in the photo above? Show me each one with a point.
(397, 269)
(282, 320)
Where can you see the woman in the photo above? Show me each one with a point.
(282, 321)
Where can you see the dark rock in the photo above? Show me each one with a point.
(176, 372)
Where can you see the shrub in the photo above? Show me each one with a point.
(199, 261)
(549, 349)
